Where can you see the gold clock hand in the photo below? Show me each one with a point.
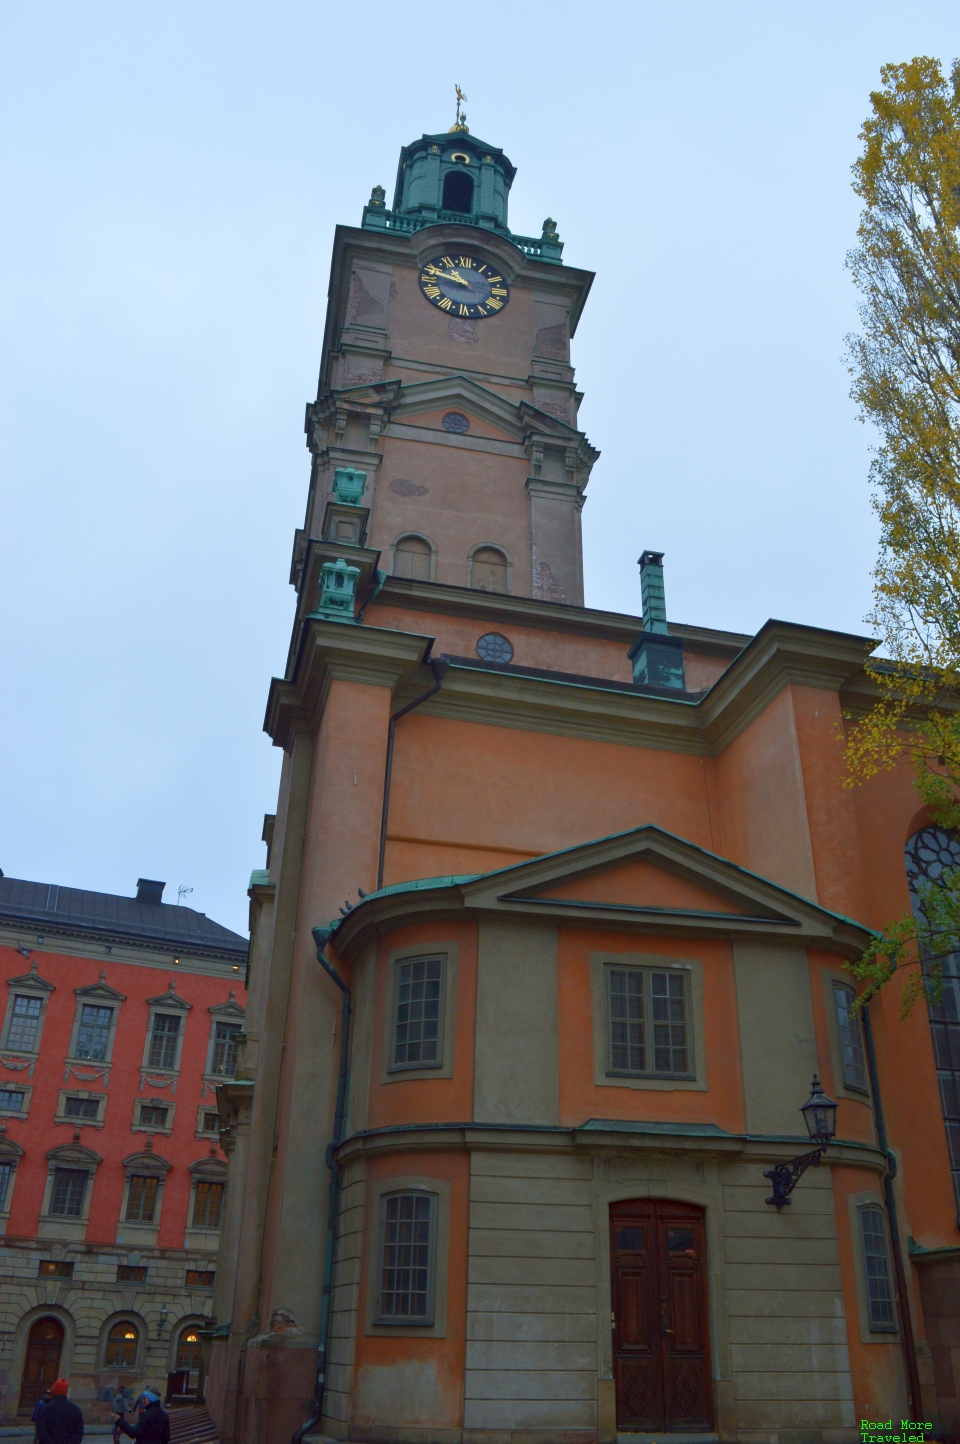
(453, 276)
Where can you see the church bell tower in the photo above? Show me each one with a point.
(444, 435)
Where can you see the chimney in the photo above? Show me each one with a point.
(149, 891)
(656, 656)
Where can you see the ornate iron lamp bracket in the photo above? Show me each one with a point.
(786, 1176)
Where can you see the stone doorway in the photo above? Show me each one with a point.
(42, 1363)
(661, 1347)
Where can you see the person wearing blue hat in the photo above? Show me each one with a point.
(153, 1426)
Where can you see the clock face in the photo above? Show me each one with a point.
(464, 286)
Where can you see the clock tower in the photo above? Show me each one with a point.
(444, 435)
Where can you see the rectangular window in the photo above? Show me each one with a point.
(81, 1108)
(11, 1099)
(225, 1049)
(142, 1198)
(69, 1187)
(648, 1022)
(24, 1021)
(207, 1205)
(94, 1032)
(407, 1247)
(153, 1116)
(211, 1123)
(54, 1269)
(131, 1274)
(851, 1039)
(877, 1270)
(200, 1278)
(6, 1173)
(163, 1041)
(417, 1014)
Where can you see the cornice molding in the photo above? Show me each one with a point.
(780, 654)
(338, 651)
(618, 1136)
(549, 616)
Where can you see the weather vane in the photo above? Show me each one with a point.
(461, 121)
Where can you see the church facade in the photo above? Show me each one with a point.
(552, 935)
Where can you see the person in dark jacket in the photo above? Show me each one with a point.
(59, 1422)
(153, 1426)
(45, 1398)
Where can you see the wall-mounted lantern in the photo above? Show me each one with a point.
(820, 1115)
(338, 588)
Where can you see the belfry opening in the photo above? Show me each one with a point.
(458, 192)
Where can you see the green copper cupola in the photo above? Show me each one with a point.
(444, 177)
(454, 177)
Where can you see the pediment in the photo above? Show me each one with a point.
(230, 1010)
(445, 393)
(656, 881)
(74, 1153)
(170, 999)
(146, 1163)
(101, 990)
(31, 983)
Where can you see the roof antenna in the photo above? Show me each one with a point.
(182, 892)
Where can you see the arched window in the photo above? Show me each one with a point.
(929, 854)
(122, 1342)
(488, 572)
(458, 192)
(188, 1348)
(412, 557)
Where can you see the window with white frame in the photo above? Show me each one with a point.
(7, 1166)
(224, 1062)
(68, 1192)
(154, 1115)
(648, 1022)
(142, 1197)
(93, 1035)
(851, 1038)
(407, 1258)
(12, 1100)
(418, 1000)
(876, 1264)
(207, 1203)
(164, 1041)
(24, 1023)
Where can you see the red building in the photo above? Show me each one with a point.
(121, 1016)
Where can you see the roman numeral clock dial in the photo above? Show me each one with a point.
(464, 286)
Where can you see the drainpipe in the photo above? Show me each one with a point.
(439, 668)
(906, 1325)
(321, 938)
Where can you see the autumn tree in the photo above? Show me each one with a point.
(906, 381)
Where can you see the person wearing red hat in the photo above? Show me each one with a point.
(60, 1421)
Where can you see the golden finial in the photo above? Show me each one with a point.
(461, 121)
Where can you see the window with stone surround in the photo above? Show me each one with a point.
(207, 1204)
(407, 1258)
(648, 1022)
(68, 1193)
(488, 570)
(851, 1038)
(24, 1024)
(122, 1342)
(142, 1198)
(876, 1264)
(413, 558)
(418, 1002)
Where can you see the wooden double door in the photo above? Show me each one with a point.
(661, 1346)
(42, 1363)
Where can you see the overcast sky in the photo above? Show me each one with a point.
(172, 175)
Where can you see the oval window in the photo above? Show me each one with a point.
(456, 421)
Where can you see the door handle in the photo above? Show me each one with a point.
(613, 1319)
